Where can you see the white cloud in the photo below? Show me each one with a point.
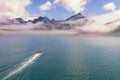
(46, 6)
(104, 23)
(70, 5)
(110, 6)
(75, 6)
(14, 8)
(98, 23)
(56, 1)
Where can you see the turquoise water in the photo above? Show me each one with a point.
(64, 58)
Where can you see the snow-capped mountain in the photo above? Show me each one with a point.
(106, 23)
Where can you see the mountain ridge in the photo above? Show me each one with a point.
(41, 19)
(77, 22)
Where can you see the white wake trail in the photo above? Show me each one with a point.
(23, 65)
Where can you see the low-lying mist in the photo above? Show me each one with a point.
(105, 23)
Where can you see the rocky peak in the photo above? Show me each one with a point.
(75, 17)
(44, 19)
(20, 20)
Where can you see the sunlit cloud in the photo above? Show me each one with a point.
(71, 5)
(14, 8)
(109, 6)
(103, 23)
(46, 6)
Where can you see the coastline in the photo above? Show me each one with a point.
(55, 33)
(71, 32)
(38, 33)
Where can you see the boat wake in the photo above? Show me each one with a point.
(23, 65)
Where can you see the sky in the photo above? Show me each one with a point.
(57, 9)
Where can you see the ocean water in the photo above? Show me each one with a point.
(63, 58)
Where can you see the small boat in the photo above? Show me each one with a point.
(39, 51)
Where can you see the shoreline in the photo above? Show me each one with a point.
(37, 33)
(55, 33)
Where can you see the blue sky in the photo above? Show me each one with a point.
(57, 9)
(93, 7)
(56, 13)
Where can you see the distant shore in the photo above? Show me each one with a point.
(37, 32)
(53, 32)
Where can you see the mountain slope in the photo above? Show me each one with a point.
(75, 17)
